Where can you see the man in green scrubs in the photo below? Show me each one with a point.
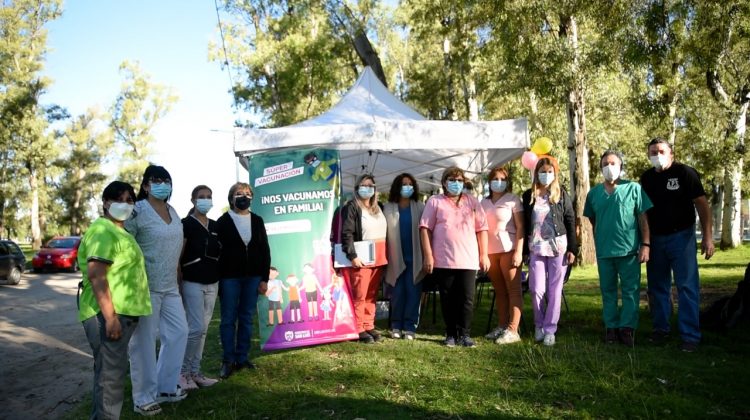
(617, 211)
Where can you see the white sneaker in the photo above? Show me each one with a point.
(396, 334)
(538, 334)
(148, 410)
(549, 340)
(202, 381)
(179, 395)
(495, 334)
(186, 382)
(508, 338)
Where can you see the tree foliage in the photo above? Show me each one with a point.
(140, 104)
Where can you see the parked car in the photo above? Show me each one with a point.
(12, 262)
(60, 253)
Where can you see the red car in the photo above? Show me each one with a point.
(60, 253)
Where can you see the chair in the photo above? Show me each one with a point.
(429, 293)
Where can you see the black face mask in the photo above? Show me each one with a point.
(242, 203)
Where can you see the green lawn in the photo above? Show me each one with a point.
(580, 377)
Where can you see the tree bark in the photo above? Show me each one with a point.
(731, 229)
(36, 233)
(451, 110)
(578, 153)
(369, 56)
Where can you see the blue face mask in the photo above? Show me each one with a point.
(407, 191)
(498, 186)
(455, 187)
(366, 192)
(203, 205)
(315, 163)
(161, 191)
(546, 178)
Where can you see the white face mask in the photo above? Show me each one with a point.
(659, 161)
(120, 211)
(546, 178)
(611, 172)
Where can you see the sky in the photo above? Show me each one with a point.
(169, 39)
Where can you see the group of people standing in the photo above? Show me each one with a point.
(654, 223)
(146, 273)
(453, 236)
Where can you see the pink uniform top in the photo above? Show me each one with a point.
(454, 230)
(502, 227)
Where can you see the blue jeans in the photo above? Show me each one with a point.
(405, 301)
(238, 299)
(675, 253)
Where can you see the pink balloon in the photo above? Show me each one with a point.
(528, 160)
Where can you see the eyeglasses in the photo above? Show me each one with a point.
(160, 181)
(243, 195)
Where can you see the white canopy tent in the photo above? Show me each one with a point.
(377, 133)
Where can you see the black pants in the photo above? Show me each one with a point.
(456, 299)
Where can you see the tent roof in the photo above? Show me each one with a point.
(377, 133)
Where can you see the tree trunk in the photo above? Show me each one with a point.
(717, 205)
(369, 56)
(75, 229)
(578, 153)
(36, 233)
(731, 229)
(579, 174)
(672, 120)
(534, 119)
(451, 110)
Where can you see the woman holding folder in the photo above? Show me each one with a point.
(363, 220)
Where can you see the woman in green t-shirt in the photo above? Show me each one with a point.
(114, 294)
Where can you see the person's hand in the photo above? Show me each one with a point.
(571, 257)
(113, 328)
(263, 287)
(428, 264)
(484, 263)
(517, 259)
(643, 254)
(707, 247)
(357, 263)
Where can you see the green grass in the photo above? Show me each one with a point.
(580, 377)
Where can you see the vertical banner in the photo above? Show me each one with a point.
(296, 194)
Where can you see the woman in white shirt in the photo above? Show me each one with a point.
(158, 230)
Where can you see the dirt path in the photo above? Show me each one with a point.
(46, 364)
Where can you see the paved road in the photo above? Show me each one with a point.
(46, 366)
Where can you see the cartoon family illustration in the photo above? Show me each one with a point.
(329, 298)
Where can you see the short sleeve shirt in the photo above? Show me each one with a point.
(274, 287)
(672, 192)
(615, 216)
(161, 243)
(502, 227)
(126, 275)
(454, 228)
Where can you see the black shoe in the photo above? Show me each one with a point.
(627, 337)
(245, 365)
(611, 336)
(227, 369)
(375, 334)
(688, 347)
(366, 338)
(658, 337)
